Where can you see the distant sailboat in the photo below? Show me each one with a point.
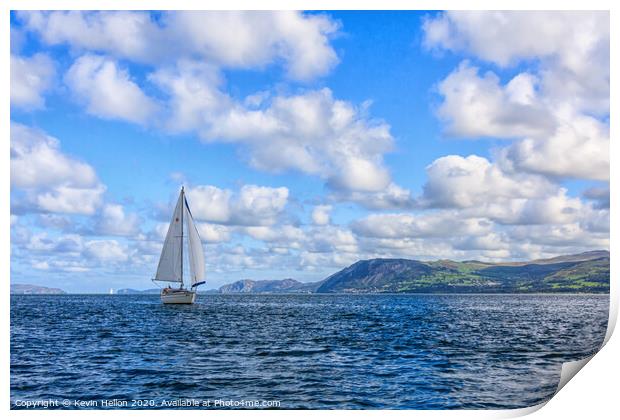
(170, 268)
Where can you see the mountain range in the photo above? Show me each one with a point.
(587, 272)
(580, 273)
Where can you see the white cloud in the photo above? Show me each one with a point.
(492, 241)
(194, 98)
(211, 233)
(106, 251)
(320, 214)
(558, 109)
(246, 39)
(317, 135)
(456, 181)
(108, 91)
(443, 224)
(60, 265)
(36, 161)
(53, 181)
(123, 33)
(232, 39)
(42, 243)
(209, 203)
(579, 148)
(560, 238)
(66, 199)
(475, 106)
(325, 239)
(481, 189)
(572, 47)
(257, 205)
(312, 132)
(252, 205)
(41, 265)
(392, 197)
(541, 34)
(54, 221)
(285, 235)
(556, 208)
(114, 221)
(558, 142)
(31, 77)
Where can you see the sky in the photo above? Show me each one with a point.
(306, 141)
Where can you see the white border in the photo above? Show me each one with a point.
(593, 394)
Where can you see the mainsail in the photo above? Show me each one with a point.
(196, 253)
(170, 266)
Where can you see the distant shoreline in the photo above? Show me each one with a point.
(585, 273)
(331, 294)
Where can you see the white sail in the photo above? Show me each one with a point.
(170, 266)
(196, 252)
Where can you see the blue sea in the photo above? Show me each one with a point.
(298, 351)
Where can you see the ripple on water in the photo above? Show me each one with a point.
(308, 351)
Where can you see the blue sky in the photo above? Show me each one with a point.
(307, 141)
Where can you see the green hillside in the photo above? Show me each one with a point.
(582, 273)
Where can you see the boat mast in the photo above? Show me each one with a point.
(182, 211)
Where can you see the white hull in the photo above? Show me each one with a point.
(178, 296)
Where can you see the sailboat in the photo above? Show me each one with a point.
(182, 233)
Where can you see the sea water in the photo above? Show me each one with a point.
(298, 351)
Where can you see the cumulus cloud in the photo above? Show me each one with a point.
(480, 188)
(476, 106)
(210, 203)
(579, 148)
(31, 77)
(114, 221)
(195, 99)
(66, 244)
(456, 181)
(558, 142)
(249, 39)
(53, 181)
(67, 199)
(71, 253)
(423, 225)
(108, 91)
(459, 234)
(285, 235)
(106, 251)
(232, 39)
(568, 44)
(321, 214)
(53, 221)
(211, 233)
(557, 208)
(256, 205)
(252, 205)
(390, 198)
(560, 238)
(557, 110)
(312, 132)
(493, 241)
(327, 239)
